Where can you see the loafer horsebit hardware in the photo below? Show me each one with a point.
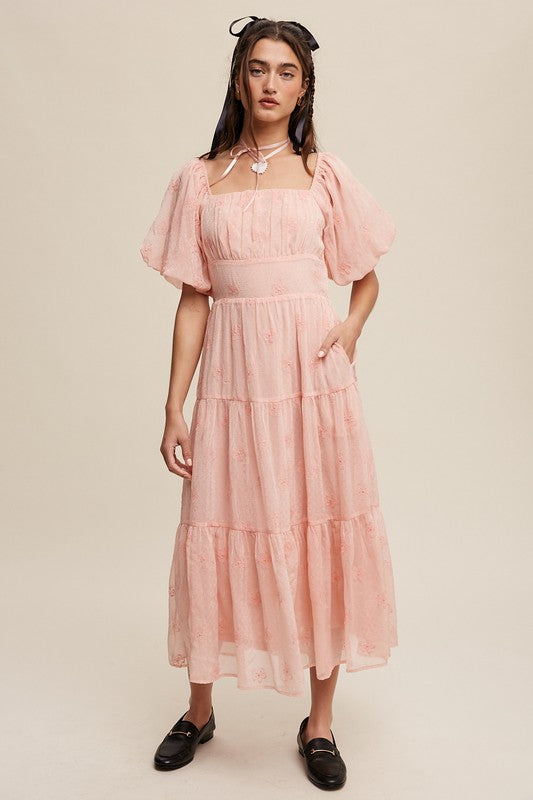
(186, 733)
(321, 750)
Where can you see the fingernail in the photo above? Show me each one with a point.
(321, 353)
(189, 462)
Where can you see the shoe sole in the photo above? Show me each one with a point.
(168, 767)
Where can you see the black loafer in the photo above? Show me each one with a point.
(179, 745)
(323, 763)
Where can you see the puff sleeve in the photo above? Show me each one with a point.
(172, 244)
(358, 230)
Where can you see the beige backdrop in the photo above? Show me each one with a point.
(429, 104)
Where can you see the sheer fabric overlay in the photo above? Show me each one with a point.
(281, 558)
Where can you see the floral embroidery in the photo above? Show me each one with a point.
(286, 673)
(288, 364)
(349, 418)
(323, 431)
(255, 598)
(330, 500)
(366, 647)
(240, 454)
(259, 675)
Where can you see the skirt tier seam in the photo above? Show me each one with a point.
(280, 398)
(212, 524)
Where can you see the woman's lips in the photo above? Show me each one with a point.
(268, 103)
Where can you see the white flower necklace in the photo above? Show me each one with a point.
(260, 162)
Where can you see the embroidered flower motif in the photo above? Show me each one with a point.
(287, 364)
(366, 647)
(292, 224)
(172, 591)
(322, 431)
(370, 526)
(349, 418)
(269, 336)
(259, 675)
(279, 288)
(286, 673)
(233, 289)
(179, 660)
(236, 330)
(330, 500)
(288, 544)
(240, 454)
(254, 598)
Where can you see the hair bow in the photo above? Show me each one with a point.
(311, 41)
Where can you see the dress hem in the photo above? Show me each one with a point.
(280, 691)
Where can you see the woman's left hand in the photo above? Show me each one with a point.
(346, 334)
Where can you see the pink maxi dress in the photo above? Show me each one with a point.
(281, 559)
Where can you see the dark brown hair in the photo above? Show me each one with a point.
(234, 122)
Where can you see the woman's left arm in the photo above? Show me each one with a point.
(362, 300)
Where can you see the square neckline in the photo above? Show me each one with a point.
(266, 188)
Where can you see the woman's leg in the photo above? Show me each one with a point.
(200, 702)
(321, 714)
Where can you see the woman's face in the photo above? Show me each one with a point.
(274, 73)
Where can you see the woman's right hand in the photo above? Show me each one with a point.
(176, 433)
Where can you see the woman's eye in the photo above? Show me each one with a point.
(257, 69)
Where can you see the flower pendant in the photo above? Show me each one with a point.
(259, 166)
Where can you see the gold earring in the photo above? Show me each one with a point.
(237, 93)
(299, 101)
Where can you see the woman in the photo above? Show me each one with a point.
(281, 560)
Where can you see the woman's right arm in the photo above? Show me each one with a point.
(189, 330)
